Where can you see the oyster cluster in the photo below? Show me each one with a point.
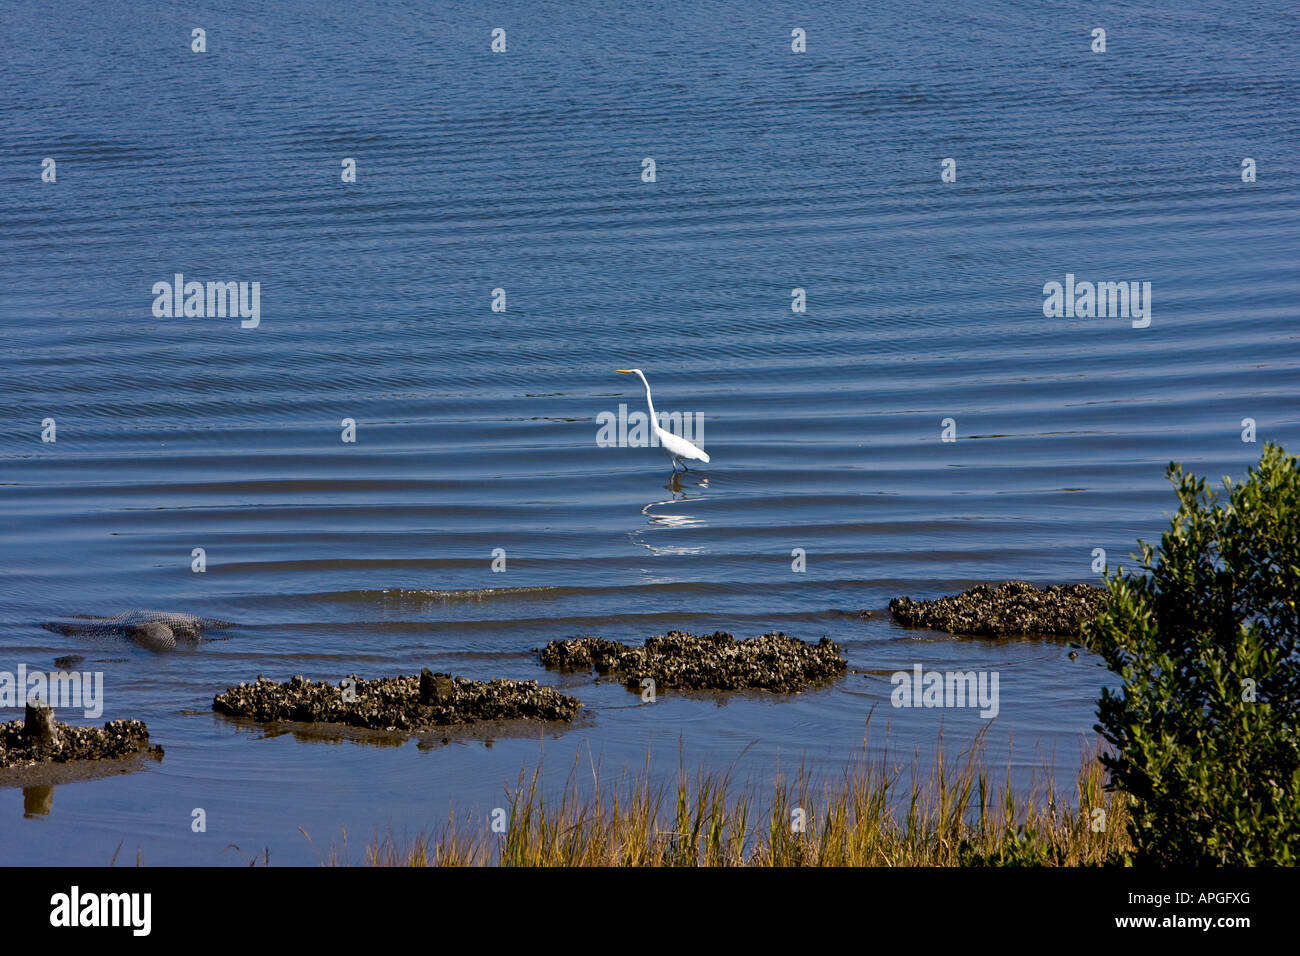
(703, 662)
(117, 738)
(396, 703)
(1010, 608)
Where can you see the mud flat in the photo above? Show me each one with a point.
(40, 749)
(409, 704)
(1004, 610)
(715, 661)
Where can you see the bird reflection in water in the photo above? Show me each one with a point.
(680, 495)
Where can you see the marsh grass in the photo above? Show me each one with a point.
(871, 815)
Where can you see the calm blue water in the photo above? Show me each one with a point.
(476, 430)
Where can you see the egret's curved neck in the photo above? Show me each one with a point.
(654, 419)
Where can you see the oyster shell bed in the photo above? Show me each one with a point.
(394, 703)
(117, 738)
(704, 662)
(1010, 608)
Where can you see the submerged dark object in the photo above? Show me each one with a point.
(704, 662)
(153, 630)
(1006, 609)
(40, 738)
(396, 703)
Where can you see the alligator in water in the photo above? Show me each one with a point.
(154, 630)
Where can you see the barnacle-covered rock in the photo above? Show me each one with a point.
(1010, 608)
(703, 662)
(412, 703)
(19, 747)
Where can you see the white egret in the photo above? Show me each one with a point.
(677, 449)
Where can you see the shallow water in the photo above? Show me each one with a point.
(476, 430)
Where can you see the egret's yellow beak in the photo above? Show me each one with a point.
(625, 371)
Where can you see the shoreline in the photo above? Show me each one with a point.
(873, 816)
(714, 665)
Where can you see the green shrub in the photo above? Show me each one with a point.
(1203, 730)
(1017, 846)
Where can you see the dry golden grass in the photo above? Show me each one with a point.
(870, 816)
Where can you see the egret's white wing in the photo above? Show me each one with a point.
(680, 446)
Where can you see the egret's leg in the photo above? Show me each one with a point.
(684, 468)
